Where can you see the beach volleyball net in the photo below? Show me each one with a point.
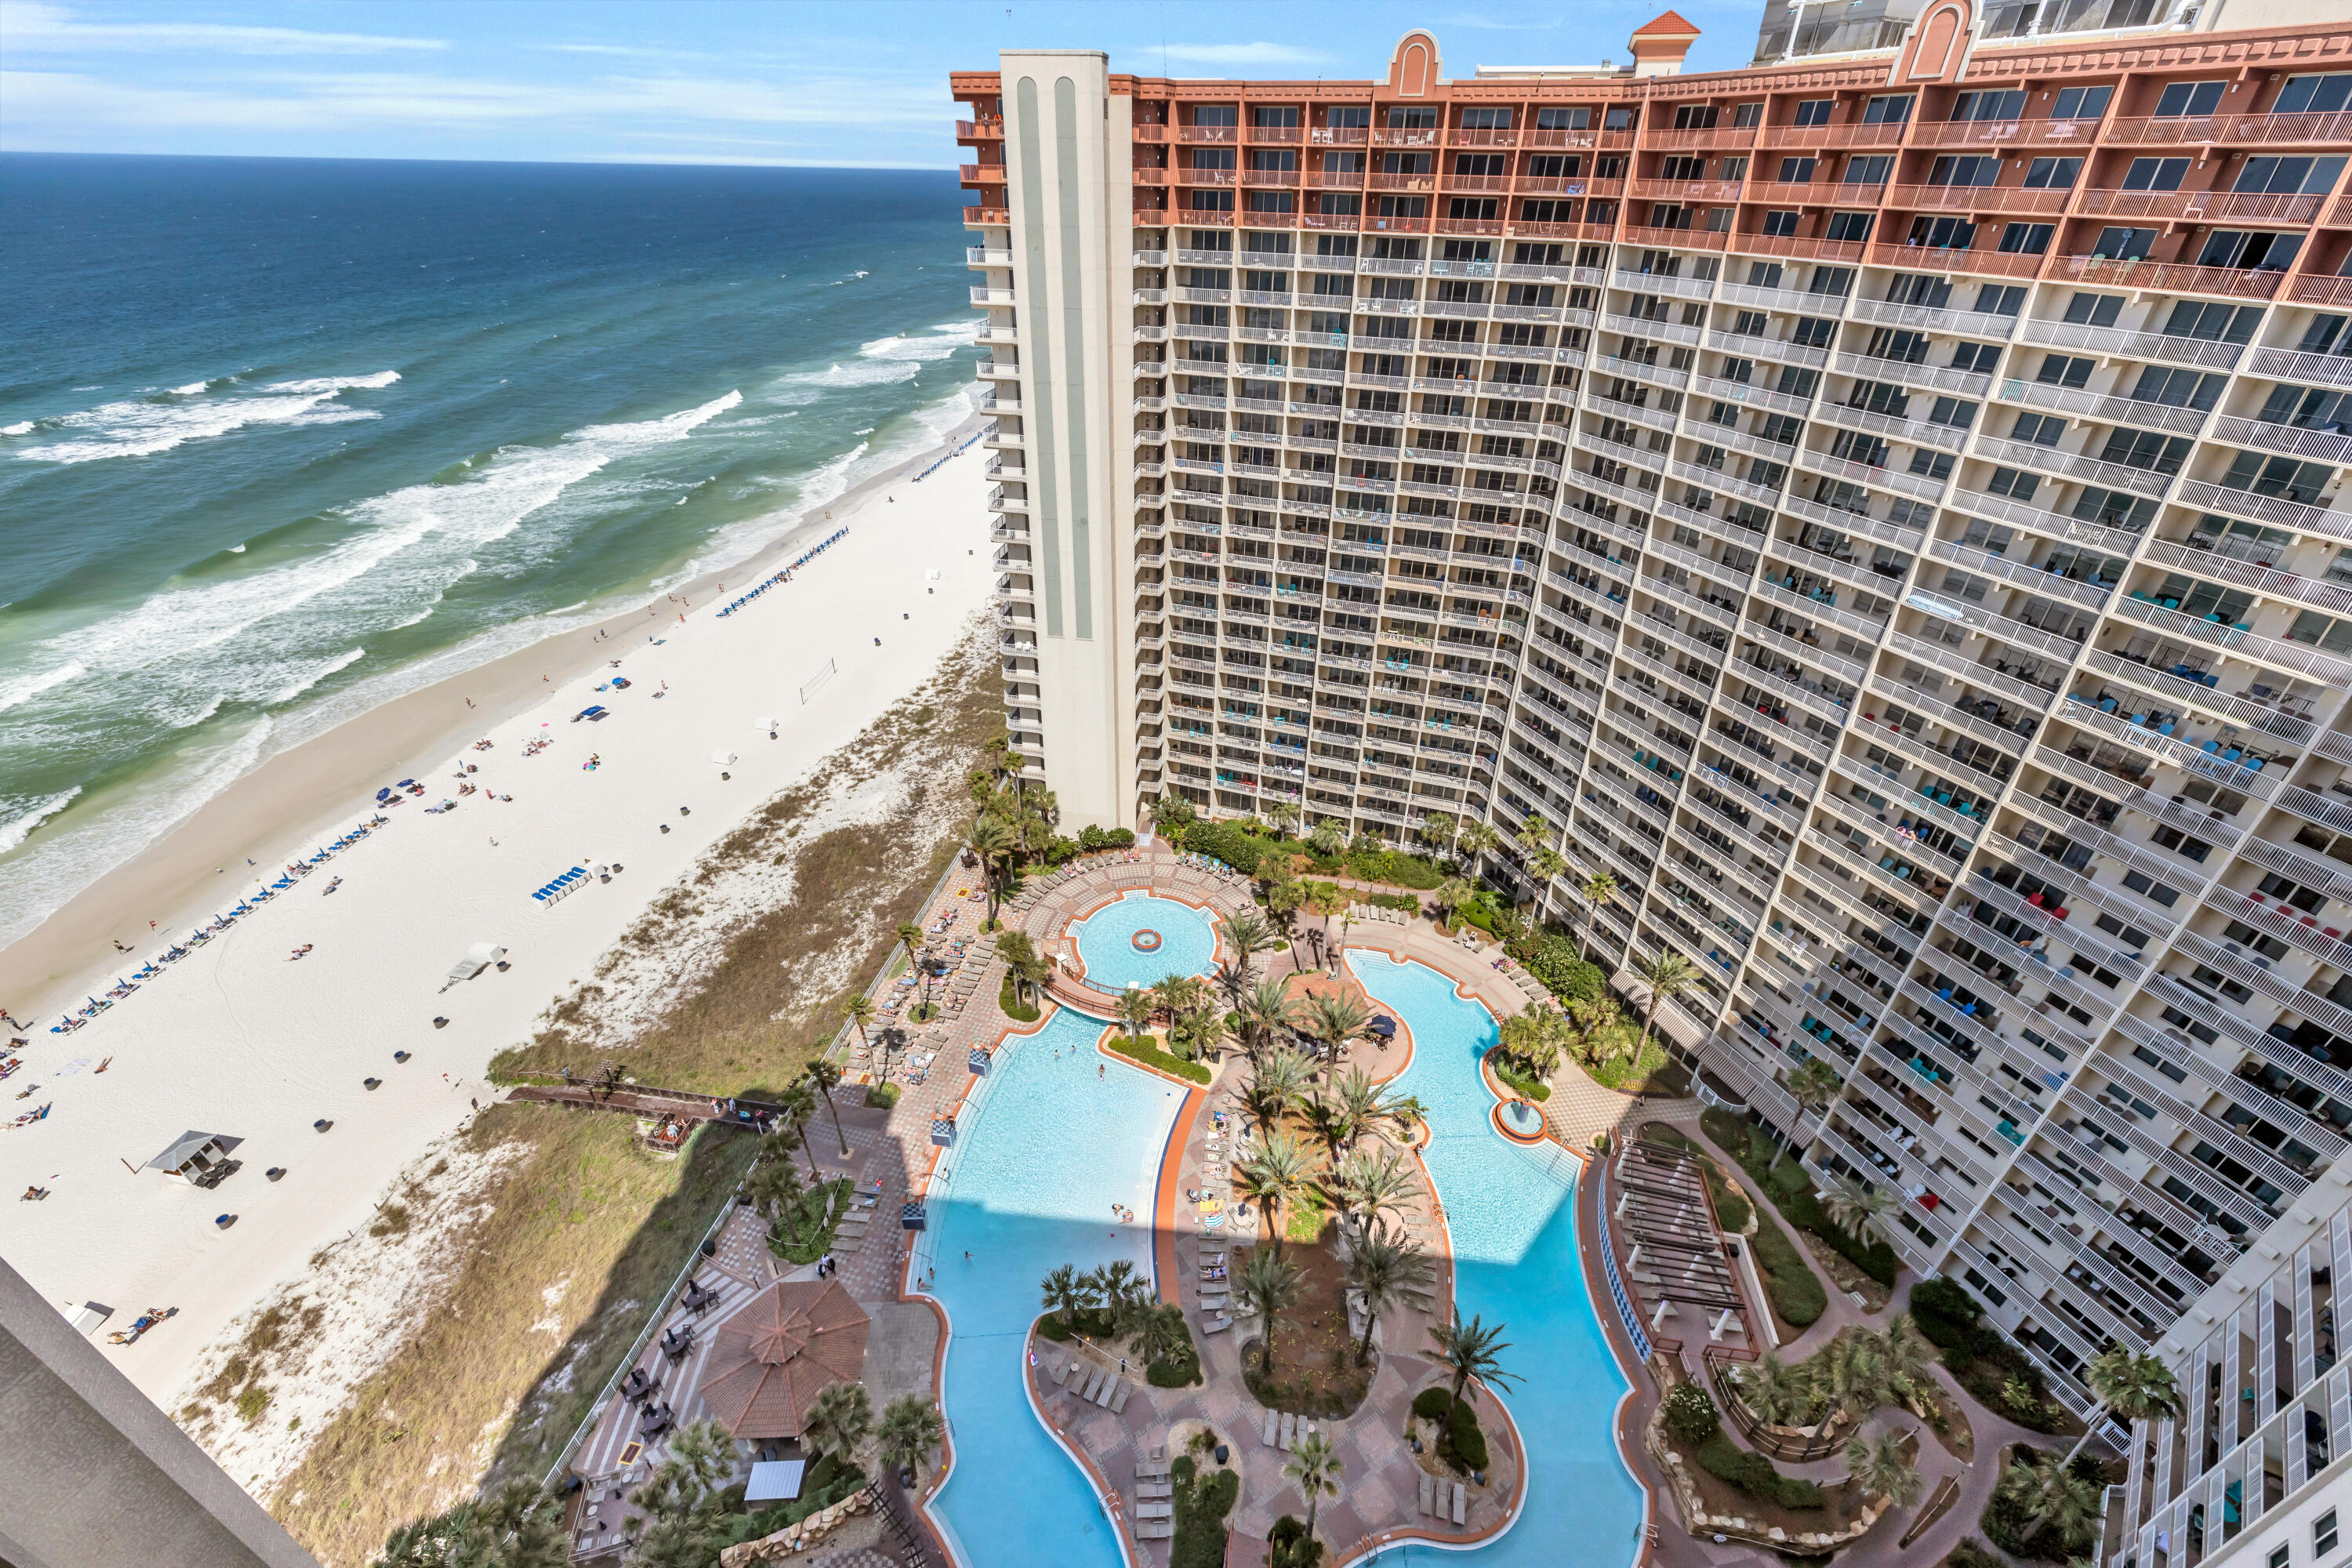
(819, 679)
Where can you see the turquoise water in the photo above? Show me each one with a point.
(1051, 1138)
(1106, 940)
(1513, 1225)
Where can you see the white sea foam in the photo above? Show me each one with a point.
(16, 832)
(144, 426)
(311, 678)
(190, 390)
(22, 427)
(22, 691)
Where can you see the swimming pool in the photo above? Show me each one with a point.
(1188, 942)
(1047, 1141)
(1509, 1212)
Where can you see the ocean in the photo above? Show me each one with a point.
(283, 439)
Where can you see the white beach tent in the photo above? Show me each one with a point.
(478, 957)
(723, 757)
(763, 723)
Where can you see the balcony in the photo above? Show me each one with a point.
(1847, 135)
(2167, 277)
(2073, 466)
(1934, 317)
(2201, 207)
(1941, 258)
(2181, 420)
(2272, 130)
(1676, 238)
(2002, 133)
(1802, 246)
(1942, 378)
(2124, 343)
(2319, 444)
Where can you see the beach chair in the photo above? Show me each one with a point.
(1461, 1503)
(1149, 1492)
(1111, 1381)
(1428, 1492)
(1288, 1432)
(1151, 1511)
(1272, 1427)
(1063, 1375)
(1118, 1401)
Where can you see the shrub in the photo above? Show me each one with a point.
(1200, 1510)
(1690, 1415)
(1404, 903)
(1008, 997)
(1394, 866)
(1291, 1546)
(1462, 1444)
(1526, 1083)
(1969, 1554)
(1753, 1473)
(1431, 1404)
(1798, 1294)
(882, 1096)
(1553, 958)
(1785, 1182)
(1146, 1049)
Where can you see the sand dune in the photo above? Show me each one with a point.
(238, 1039)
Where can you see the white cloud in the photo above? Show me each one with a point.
(1240, 54)
(27, 24)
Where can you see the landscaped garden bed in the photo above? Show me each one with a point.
(1996, 1373)
(1782, 1178)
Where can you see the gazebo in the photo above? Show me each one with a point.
(778, 1351)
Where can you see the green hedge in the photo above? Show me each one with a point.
(1290, 1545)
(1404, 903)
(1200, 1509)
(1553, 958)
(1147, 1051)
(1983, 1360)
(1797, 1292)
(1008, 997)
(1526, 1083)
(1753, 1473)
(882, 1096)
(1792, 1190)
(1690, 1415)
(1224, 841)
(1432, 1403)
(1461, 1443)
(1395, 866)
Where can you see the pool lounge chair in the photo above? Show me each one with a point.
(1461, 1503)
(1154, 1528)
(1216, 1323)
(1428, 1492)
(1289, 1431)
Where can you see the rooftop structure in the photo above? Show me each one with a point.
(780, 1351)
(1883, 510)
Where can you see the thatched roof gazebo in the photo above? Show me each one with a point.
(780, 1349)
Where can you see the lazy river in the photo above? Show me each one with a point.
(1054, 1134)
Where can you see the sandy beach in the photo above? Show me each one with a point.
(242, 1039)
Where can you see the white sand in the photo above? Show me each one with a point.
(237, 1040)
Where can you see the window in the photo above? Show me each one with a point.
(1957, 412)
(2178, 388)
(1894, 109)
(2313, 94)
(2041, 429)
(1485, 120)
(1682, 169)
(2064, 370)
(1347, 117)
(1873, 170)
(2281, 477)
(1795, 171)
(1411, 117)
(2308, 408)
(1556, 165)
(2082, 102)
(2280, 1556)
(2094, 310)
(2155, 173)
(1814, 331)
(1212, 114)
(1275, 116)
(1619, 118)
(2026, 239)
(1942, 233)
(2214, 324)
(1747, 114)
(2144, 449)
(1964, 171)
(2117, 244)
(2052, 173)
(2259, 250)
(1780, 223)
(1816, 111)
(2185, 99)
(1477, 208)
(1694, 116)
(1837, 280)
(2289, 176)
(1851, 228)
(1578, 119)
(1980, 358)
(1918, 288)
(2005, 105)
(2015, 485)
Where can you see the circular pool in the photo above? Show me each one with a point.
(1141, 939)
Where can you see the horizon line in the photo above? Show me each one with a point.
(648, 160)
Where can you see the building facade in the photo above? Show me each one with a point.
(1884, 510)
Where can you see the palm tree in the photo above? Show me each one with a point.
(1852, 1374)
(1160, 1332)
(519, 1526)
(1597, 890)
(1451, 895)
(681, 1498)
(1170, 815)
(1877, 1464)
(774, 1189)
(1327, 901)
(2136, 1387)
(1531, 1039)
(1329, 839)
(1276, 1087)
(994, 842)
(795, 1108)
(1384, 1268)
(1136, 1008)
(1248, 935)
(1314, 1465)
(1477, 837)
(910, 1433)
(1547, 864)
(1271, 1174)
(1436, 830)
(859, 1010)
(1535, 833)
(1471, 1351)
(1855, 1207)
(1331, 1122)
(1592, 1017)
(1286, 895)
(1778, 1392)
(1814, 1084)
(1368, 1184)
(1368, 1103)
(1265, 1008)
(1068, 1292)
(1335, 1021)
(1267, 1286)
(910, 940)
(2052, 1497)
(824, 1073)
(839, 1419)
(1281, 817)
(1667, 975)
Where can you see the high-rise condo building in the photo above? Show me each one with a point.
(1883, 506)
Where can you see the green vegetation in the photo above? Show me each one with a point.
(1997, 1372)
(2043, 1508)
(1630, 1072)
(1753, 1473)
(1291, 1546)
(1797, 1292)
(1404, 903)
(1461, 1443)
(1525, 1083)
(1008, 996)
(1550, 956)
(1785, 1181)
(1145, 1049)
(1253, 850)
(1202, 1504)
(882, 1096)
(826, 1482)
(1689, 1415)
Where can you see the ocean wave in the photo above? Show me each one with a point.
(311, 678)
(15, 830)
(23, 691)
(144, 426)
(22, 427)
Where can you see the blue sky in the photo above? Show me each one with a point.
(756, 81)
